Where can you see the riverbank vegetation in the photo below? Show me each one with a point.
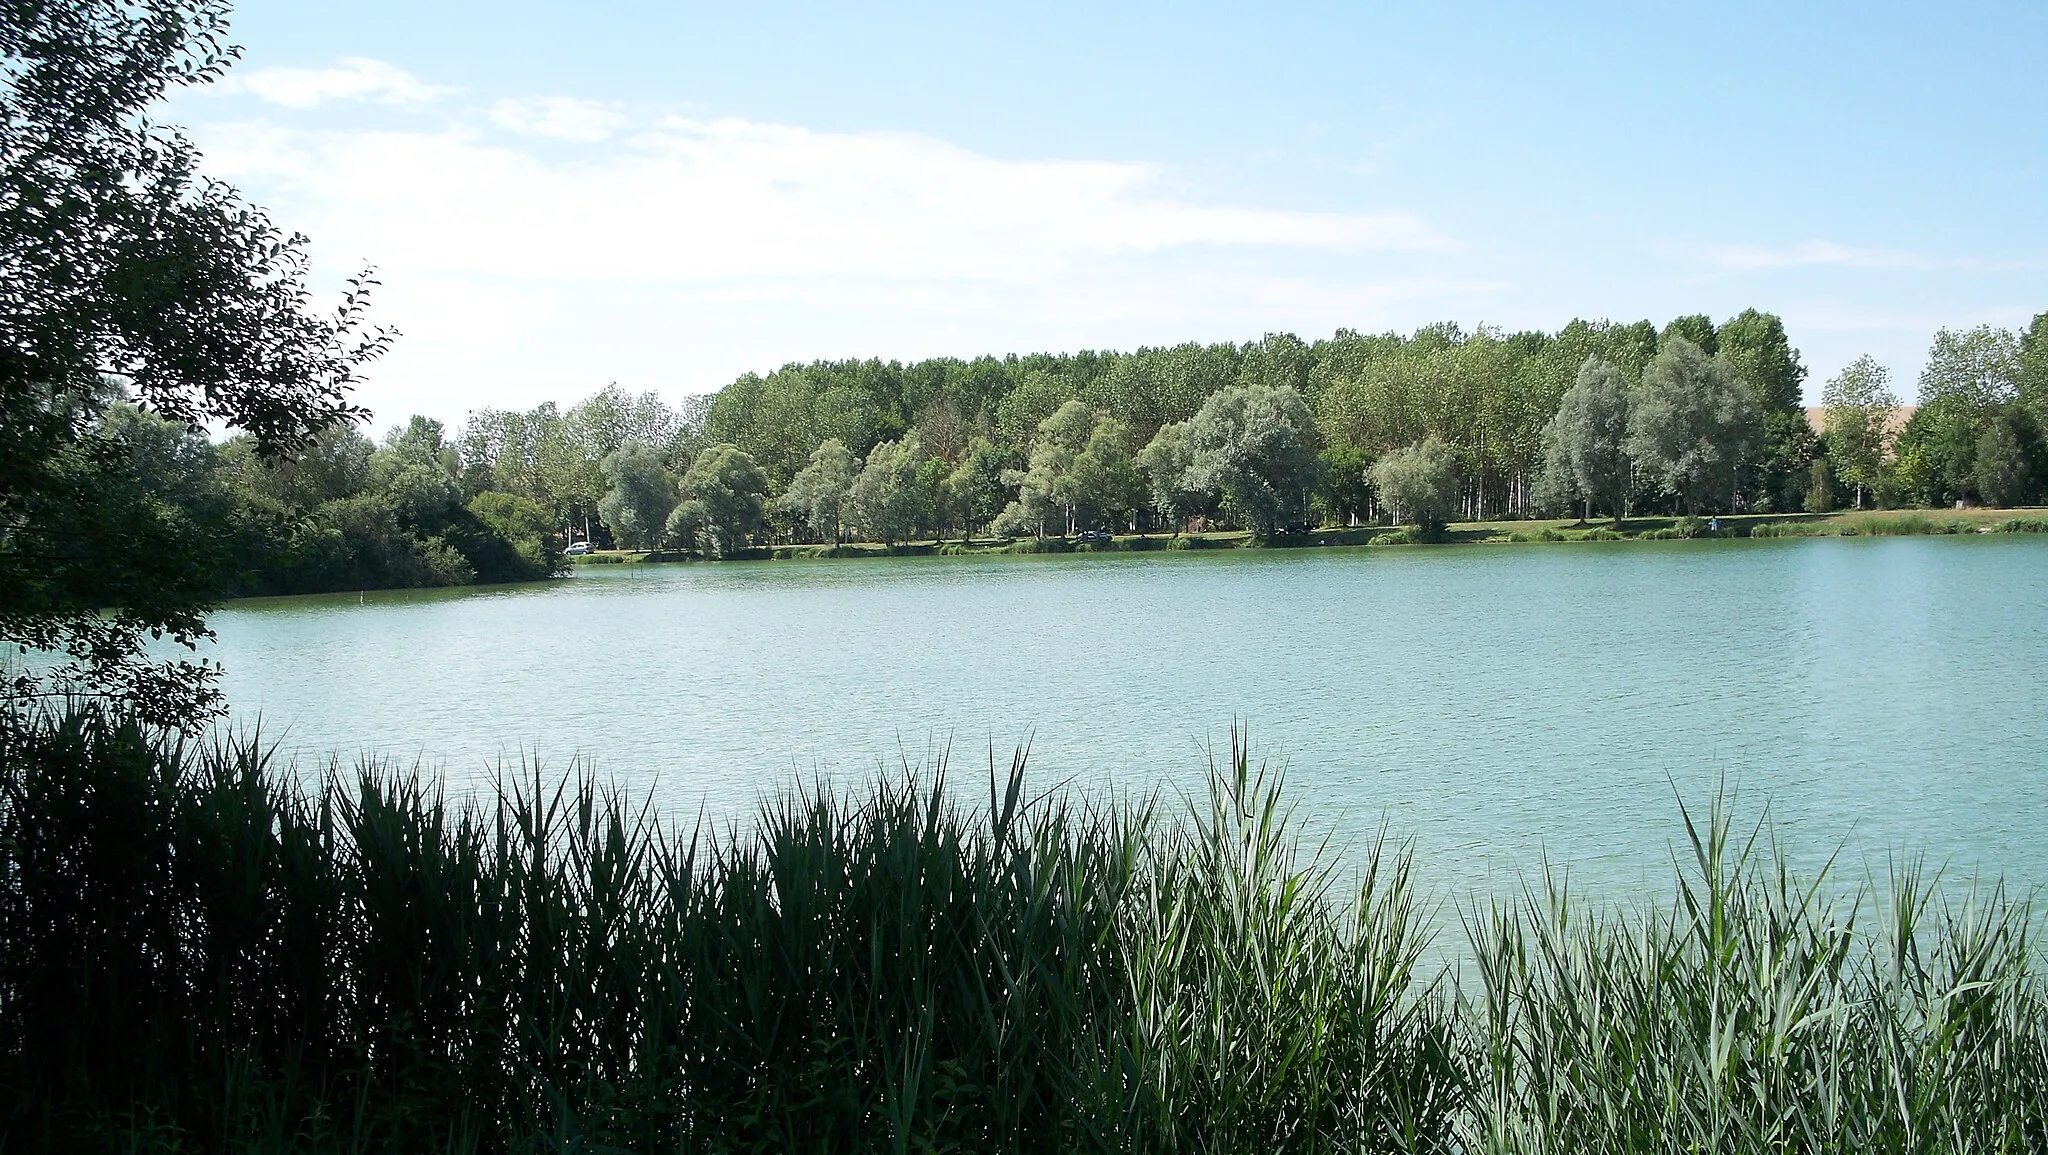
(1843, 523)
(1442, 426)
(1317, 456)
(203, 950)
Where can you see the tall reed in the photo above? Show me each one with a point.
(202, 950)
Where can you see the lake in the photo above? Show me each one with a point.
(1494, 704)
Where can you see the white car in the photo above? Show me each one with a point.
(577, 548)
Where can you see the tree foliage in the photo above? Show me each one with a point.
(1857, 407)
(1585, 443)
(1418, 485)
(1693, 427)
(889, 498)
(723, 497)
(128, 274)
(639, 494)
(817, 494)
(1254, 448)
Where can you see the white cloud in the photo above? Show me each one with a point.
(558, 117)
(355, 79)
(675, 252)
(693, 202)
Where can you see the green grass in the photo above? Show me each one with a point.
(200, 950)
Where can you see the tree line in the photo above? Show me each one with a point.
(1597, 419)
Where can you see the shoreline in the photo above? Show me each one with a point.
(1846, 523)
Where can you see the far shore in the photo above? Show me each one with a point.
(1843, 523)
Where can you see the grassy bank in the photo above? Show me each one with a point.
(202, 951)
(1855, 523)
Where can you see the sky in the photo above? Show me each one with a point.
(558, 197)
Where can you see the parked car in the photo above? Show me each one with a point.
(1093, 537)
(577, 548)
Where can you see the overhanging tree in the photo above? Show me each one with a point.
(124, 272)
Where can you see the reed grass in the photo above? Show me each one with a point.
(203, 950)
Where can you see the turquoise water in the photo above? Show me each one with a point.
(1883, 696)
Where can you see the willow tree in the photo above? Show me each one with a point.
(1254, 447)
(722, 497)
(1419, 484)
(1585, 442)
(639, 494)
(817, 494)
(1693, 426)
(888, 499)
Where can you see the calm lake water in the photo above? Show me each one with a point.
(1493, 704)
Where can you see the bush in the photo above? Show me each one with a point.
(1791, 529)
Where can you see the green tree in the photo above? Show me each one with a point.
(938, 514)
(416, 471)
(1696, 328)
(976, 485)
(2032, 370)
(1857, 405)
(888, 501)
(1976, 370)
(639, 494)
(1755, 348)
(527, 533)
(1820, 487)
(1167, 463)
(1343, 491)
(1103, 484)
(1692, 425)
(817, 494)
(2003, 473)
(1033, 402)
(1585, 442)
(1254, 447)
(722, 497)
(1419, 484)
(1045, 488)
(127, 272)
(1969, 379)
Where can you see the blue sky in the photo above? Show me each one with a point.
(560, 196)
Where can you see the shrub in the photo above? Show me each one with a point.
(1792, 529)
